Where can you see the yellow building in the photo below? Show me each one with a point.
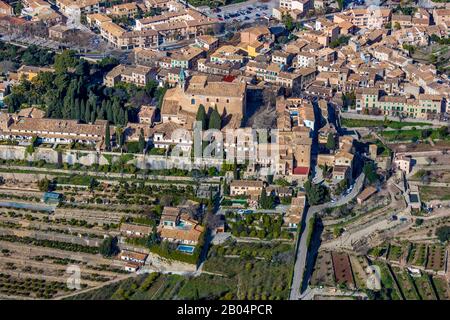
(30, 72)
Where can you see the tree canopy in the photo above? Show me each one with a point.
(215, 121)
(265, 201)
(331, 142)
(370, 171)
(142, 142)
(108, 247)
(70, 93)
(443, 233)
(201, 116)
(316, 193)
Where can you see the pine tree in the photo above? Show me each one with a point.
(201, 116)
(215, 122)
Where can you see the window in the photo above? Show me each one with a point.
(192, 101)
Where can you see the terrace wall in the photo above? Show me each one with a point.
(89, 158)
(358, 116)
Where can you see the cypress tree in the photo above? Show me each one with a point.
(125, 120)
(201, 116)
(82, 110)
(107, 138)
(119, 136)
(215, 122)
(141, 141)
(87, 113)
(76, 108)
(115, 111)
(120, 117)
(93, 116)
(109, 113)
(263, 199)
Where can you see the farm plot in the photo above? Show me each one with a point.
(406, 284)
(417, 255)
(390, 291)
(395, 252)
(442, 289)
(33, 288)
(359, 265)
(46, 268)
(424, 287)
(436, 257)
(323, 270)
(343, 270)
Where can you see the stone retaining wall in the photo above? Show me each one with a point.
(89, 158)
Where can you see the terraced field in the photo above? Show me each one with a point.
(436, 257)
(406, 284)
(442, 288)
(424, 287)
(395, 253)
(323, 272)
(417, 255)
(387, 282)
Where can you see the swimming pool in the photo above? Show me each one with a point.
(186, 249)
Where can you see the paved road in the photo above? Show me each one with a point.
(302, 250)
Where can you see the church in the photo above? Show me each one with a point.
(180, 104)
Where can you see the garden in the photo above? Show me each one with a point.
(257, 225)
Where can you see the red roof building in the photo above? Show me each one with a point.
(228, 78)
(301, 171)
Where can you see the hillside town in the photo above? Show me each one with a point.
(256, 150)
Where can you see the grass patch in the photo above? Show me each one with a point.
(355, 123)
(434, 193)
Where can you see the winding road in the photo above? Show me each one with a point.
(301, 249)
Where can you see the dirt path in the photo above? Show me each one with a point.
(121, 278)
